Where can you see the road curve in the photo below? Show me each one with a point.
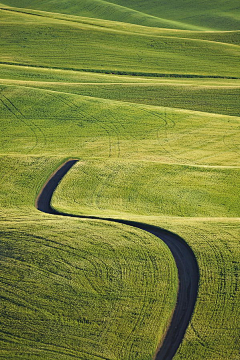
(188, 271)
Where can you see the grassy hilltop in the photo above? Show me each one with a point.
(146, 96)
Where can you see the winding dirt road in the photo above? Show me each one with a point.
(188, 272)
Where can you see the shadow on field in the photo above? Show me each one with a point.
(188, 271)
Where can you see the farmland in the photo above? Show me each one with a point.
(147, 99)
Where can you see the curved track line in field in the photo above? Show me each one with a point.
(188, 271)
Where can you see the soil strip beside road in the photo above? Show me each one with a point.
(188, 271)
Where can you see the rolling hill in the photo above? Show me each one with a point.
(146, 96)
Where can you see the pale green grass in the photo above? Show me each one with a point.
(149, 189)
(69, 292)
(214, 329)
(119, 130)
(103, 291)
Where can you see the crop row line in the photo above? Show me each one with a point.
(123, 72)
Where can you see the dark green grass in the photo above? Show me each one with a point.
(215, 99)
(223, 36)
(214, 15)
(207, 95)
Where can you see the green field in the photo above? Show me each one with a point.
(146, 96)
(181, 14)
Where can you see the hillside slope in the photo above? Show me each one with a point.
(198, 15)
(152, 114)
(43, 41)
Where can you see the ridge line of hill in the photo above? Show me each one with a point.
(182, 26)
(113, 26)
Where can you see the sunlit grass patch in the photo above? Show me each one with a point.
(152, 116)
(82, 289)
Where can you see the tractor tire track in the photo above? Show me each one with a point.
(188, 271)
